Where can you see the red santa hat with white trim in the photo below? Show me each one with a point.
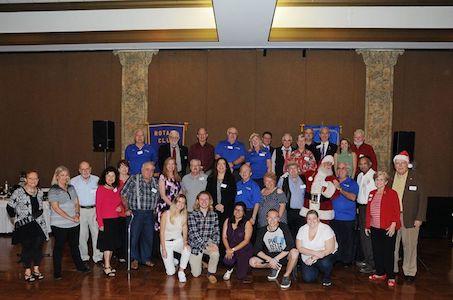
(403, 155)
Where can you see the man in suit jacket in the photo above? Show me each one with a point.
(413, 205)
(173, 149)
(325, 147)
(281, 154)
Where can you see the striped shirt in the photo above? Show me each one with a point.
(375, 210)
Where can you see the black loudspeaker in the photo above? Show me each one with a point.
(103, 136)
(404, 140)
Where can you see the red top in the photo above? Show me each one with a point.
(204, 153)
(106, 203)
(366, 150)
(390, 209)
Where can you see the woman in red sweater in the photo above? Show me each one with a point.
(108, 210)
(383, 221)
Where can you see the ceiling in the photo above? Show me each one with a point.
(204, 24)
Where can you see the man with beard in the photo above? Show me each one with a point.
(320, 190)
(363, 149)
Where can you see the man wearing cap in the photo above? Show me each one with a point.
(360, 148)
(413, 205)
(320, 190)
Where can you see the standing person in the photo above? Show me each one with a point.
(248, 192)
(203, 151)
(232, 150)
(267, 141)
(325, 147)
(30, 229)
(383, 221)
(174, 237)
(236, 234)
(64, 220)
(108, 208)
(360, 148)
(274, 248)
(413, 213)
(310, 144)
(139, 152)
(123, 170)
(344, 207)
(304, 157)
(204, 236)
(140, 195)
(169, 187)
(173, 150)
(271, 198)
(258, 158)
(86, 185)
(365, 181)
(281, 154)
(317, 245)
(344, 154)
(193, 183)
(293, 186)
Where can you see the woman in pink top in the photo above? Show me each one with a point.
(108, 210)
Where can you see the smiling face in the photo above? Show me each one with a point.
(110, 178)
(364, 165)
(245, 173)
(401, 166)
(342, 170)
(171, 166)
(173, 137)
(301, 142)
(324, 134)
(358, 138)
(232, 134)
(203, 201)
(287, 140)
(238, 212)
(269, 183)
(195, 167)
(32, 179)
(256, 142)
(293, 170)
(221, 166)
(202, 135)
(139, 137)
(63, 178)
(85, 170)
(147, 170)
(381, 181)
(272, 218)
(267, 139)
(312, 220)
(180, 203)
(344, 145)
(308, 135)
(123, 169)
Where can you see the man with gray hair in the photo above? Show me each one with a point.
(173, 149)
(363, 149)
(139, 152)
(325, 147)
(193, 183)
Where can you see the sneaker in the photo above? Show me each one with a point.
(286, 282)
(326, 282)
(227, 274)
(212, 278)
(175, 261)
(182, 276)
(84, 269)
(273, 274)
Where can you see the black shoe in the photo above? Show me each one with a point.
(367, 270)
(410, 279)
(84, 270)
(57, 276)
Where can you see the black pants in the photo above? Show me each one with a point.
(383, 251)
(32, 251)
(365, 241)
(295, 221)
(344, 233)
(63, 235)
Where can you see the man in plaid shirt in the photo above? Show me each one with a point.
(204, 236)
(140, 195)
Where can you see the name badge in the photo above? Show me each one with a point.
(346, 185)
(230, 147)
(239, 192)
(223, 185)
(115, 190)
(201, 178)
(262, 154)
(412, 188)
(248, 188)
(154, 190)
(302, 186)
(140, 152)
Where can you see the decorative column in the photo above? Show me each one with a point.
(134, 98)
(379, 101)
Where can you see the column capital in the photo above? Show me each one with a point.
(128, 57)
(383, 57)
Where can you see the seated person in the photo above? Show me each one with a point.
(316, 243)
(274, 248)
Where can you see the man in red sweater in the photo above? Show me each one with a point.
(363, 149)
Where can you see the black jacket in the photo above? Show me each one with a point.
(164, 153)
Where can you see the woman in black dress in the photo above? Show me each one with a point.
(30, 230)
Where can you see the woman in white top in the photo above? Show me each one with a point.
(316, 243)
(173, 237)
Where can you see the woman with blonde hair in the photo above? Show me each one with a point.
(174, 237)
(258, 158)
(169, 187)
(64, 220)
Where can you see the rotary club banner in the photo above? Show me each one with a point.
(335, 132)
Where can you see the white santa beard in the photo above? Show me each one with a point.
(319, 180)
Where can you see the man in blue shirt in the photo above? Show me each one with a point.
(248, 192)
(232, 150)
(139, 153)
(344, 206)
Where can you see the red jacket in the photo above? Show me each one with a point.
(390, 209)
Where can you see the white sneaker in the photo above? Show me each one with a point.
(175, 261)
(227, 274)
(182, 276)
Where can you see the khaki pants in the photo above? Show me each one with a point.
(409, 238)
(89, 225)
(195, 262)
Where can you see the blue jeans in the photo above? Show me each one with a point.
(142, 232)
(323, 265)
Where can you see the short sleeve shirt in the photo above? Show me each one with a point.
(345, 209)
(230, 152)
(137, 157)
(66, 200)
(258, 162)
(248, 192)
(319, 242)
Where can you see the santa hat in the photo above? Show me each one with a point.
(403, 155)
(328, 158)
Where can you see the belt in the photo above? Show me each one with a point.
(171, 240)
(89, 206)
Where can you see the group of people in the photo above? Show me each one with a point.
(275, 208)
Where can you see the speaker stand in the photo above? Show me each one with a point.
(105, 159)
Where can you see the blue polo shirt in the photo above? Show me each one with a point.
(248, 192)
(257, 162)
(230, 152)
(137, 157)
(345, 209)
